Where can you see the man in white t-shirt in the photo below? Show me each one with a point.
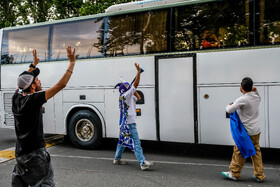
(128, 131)
(247, 107)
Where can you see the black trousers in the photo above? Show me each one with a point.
(33, 169)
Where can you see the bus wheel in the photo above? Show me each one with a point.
(85, 130)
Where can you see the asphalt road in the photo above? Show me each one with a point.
(7, 138)
(175, 165)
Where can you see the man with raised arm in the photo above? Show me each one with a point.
(33, 165)
(128, 131)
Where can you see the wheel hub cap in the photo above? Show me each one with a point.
(84, 130)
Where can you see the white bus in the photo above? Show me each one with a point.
(185, 87)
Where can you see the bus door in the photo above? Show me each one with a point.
(176, 98)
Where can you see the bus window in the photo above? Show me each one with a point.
(17, 45)
(85, 36)
(213, 24)
(139, 33)
(269, 27)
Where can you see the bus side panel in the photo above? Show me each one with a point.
(112, 113)
(1, 111)
(262, 65)
(176, 99)
(226, 69)
(1, 96)
(214, 125)
(88, 72)
(146, 124)
(67, 106)
(274, 123)
(83, 95)
(58, 114)
(82, 98)
(49, 117)
(10, 73)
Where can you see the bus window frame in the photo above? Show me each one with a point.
(168, 30)
(78, 21)
(50, 38)
(18, 30)
(201, 3)
(253, 38)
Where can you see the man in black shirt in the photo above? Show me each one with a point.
(33, 161)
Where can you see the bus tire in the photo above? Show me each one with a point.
(85, 130)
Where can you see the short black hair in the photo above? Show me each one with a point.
(247, 84)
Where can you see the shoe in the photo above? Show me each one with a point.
(229, 176)
(119, 162)
(257, 180)
(146, 165)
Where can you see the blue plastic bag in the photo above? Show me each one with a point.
(240, 136)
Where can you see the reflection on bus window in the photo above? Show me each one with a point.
(16, 49)
(227, 20)
(139, 33)
(209, 40)
(85, 36)
(269, 21)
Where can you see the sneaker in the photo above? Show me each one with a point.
(229, 176)
(257, 180)
(119, 162)
(146, 165)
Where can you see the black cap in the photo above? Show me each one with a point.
(26, 78)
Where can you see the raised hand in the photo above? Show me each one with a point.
(137, 67)
(35, 58)
(71, 54)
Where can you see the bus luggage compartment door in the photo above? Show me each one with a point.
(175, 85)
(214, 126)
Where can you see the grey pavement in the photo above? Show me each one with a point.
(175, 165)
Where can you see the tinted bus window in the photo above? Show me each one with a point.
(213, 24)
(139, 33)
(85, 36)
(269, 21)
(17, 45)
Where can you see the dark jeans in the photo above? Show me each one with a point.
(33, 169)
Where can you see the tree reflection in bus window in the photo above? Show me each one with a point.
(139, 33)
(228, 20)
(269, 21)
(84, 36)
(17, 45)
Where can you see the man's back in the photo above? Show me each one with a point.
(249, 112)
(247, 107)
(27, 112)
